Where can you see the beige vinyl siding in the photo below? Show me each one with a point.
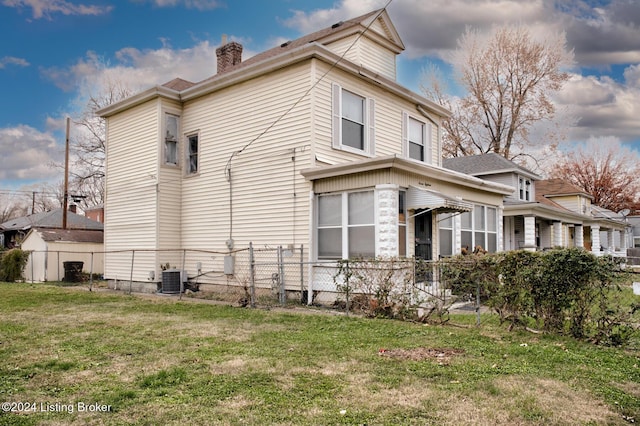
(370, 179)
(367, 53)
(388, 119)
(169, 193)
(265, 210)
(130, 207)
(377, 59)
(572, 202)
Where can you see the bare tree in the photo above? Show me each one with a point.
(89, 145)
(608, 172)
(9, 207)
(509, 78)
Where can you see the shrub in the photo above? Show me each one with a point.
(12, 263)
(377, 287)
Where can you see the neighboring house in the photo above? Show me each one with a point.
(601, 228)
(95, 213)
(541, 214)
(15, 230)
(51, 248)
(634, 222)
(312, 142)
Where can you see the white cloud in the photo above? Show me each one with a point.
(12, 60)
(189, 4)
(27, 154)
(47, 8)
(603, 106)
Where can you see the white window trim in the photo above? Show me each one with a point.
(187, 154)
(344, 226)
(336, 123)
(525, 185)
(163, 151)
(426, 136)
(456, 230)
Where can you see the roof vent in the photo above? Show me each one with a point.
(285, 44)
(337, 24)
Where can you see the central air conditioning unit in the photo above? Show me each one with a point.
(171, 281)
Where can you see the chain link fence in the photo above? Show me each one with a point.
(256, 276)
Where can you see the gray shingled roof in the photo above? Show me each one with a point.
(51, 219)
(484, 164)
(71, 235)
(179, 84)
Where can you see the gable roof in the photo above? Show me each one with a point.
(70, 235)
(337, 31)
(306, 47)
(50, 219)
(559, 187)
(486, 164)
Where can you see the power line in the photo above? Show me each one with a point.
(277, 120)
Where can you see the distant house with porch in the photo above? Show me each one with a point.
(542, 214)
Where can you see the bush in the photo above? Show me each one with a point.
(565, 291)
(12, 263)
(377, 287)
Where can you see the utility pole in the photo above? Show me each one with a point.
(66, 177)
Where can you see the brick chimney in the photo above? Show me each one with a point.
(229, 54)
(73, 208)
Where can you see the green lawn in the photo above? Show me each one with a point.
(153, 360)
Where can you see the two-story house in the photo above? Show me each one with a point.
(542, 214)
(312, 142)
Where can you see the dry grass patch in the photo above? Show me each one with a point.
(442, 356)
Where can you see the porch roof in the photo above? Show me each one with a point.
(422, 198)
(398, 163)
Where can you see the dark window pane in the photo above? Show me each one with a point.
(362, 242)
(446, 242)
(330, 243)
(416, 151)
(352, 134)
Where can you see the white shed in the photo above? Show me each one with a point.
(52, 247)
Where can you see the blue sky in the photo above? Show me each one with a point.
(57, 52)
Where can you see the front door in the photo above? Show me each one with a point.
(423, 234)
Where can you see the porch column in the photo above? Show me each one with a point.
(595, 239)
(500, 230)
(529, 233)
(387, 229)
(557, 234)
(611, 242)
(578, 236)
(623, 240)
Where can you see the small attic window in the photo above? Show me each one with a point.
(337, 24)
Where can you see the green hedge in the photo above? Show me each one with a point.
(564, 290)
(12, 263)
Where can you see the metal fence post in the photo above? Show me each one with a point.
(184, 254)
(252, 281)
(347, 286)
(133, 255)
(91, 274)
(282, 295)
(301, 271)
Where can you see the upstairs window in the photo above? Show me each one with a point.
(171, 140)
(524, 189)
(416, 137)
(192, 154)
(353, 122)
